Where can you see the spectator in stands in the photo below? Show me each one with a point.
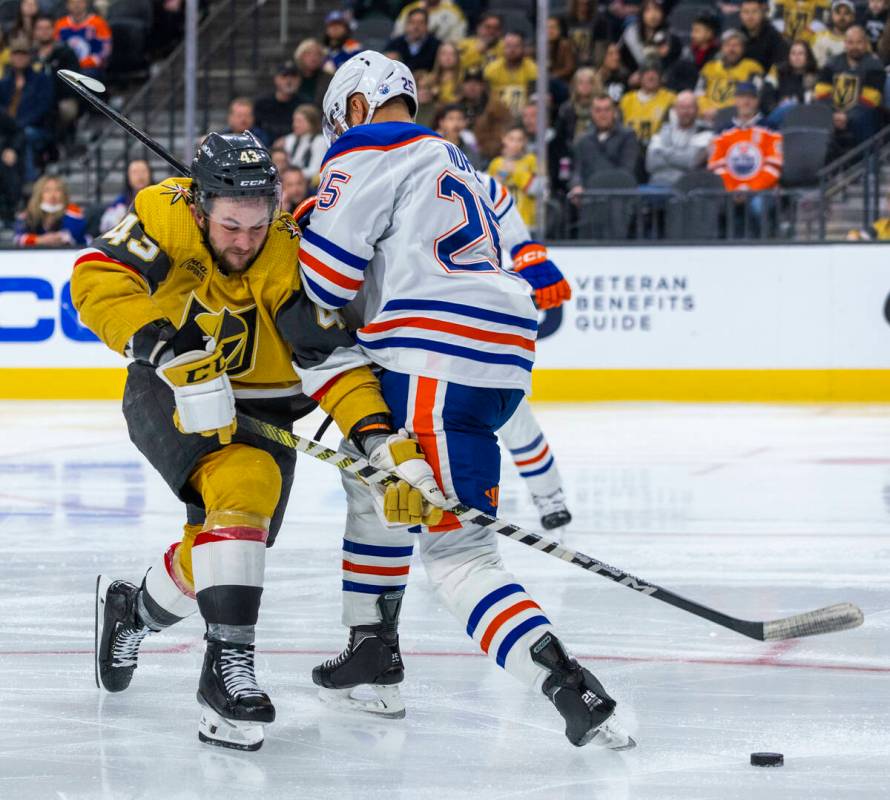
(279, 159)
(487, 116)
(789, 83)
(445, 19)
(704, 44)
(612, 74)
(167, 28)
(645, 109)
(748, 157)
(746, 113)
(874, 20)
(137, 178)
(588, 31)
(50, 219)
(620, 14)
(852, 83)
(448, 75)
(4, 53)
(573, 116)
(305, 145)
(24, 19)
(763, 43)
(451, 124)
(273, 112)
(338, 41)
(718, 78)
(11, 146)
(27, 96)
(680, 145)
(294, 188)
(241, 118)
(51, 56)
(427, 104)
(511, 76)
(416, 47)
(829, 43)
(561, 61)
(517, 170)
(800, 19)
(88, 35)
(314, 80)
(487, 45)
(638, 42)
(606, 146)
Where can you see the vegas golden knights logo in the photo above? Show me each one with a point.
(722, 90)
(234, 330)
(846, 90)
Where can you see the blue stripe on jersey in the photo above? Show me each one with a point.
(460, 308)
(487, 602)
(527, 448)
(515, 634)
(323, 295)
(334, 250)
(506, 209)
(377, 550)
(448, 349)
(540, 471)
(367, 588)
(492, 189)
(379, 135)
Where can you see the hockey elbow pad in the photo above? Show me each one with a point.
(530, 260)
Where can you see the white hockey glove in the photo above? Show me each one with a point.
(416, 498)
(205, 402)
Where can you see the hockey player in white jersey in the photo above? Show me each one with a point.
(529, 448)
(404, 239)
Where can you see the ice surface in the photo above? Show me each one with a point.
(758, 511)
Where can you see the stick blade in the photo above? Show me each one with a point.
(70, 76)
(840, 617)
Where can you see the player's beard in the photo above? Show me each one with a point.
(238, 262)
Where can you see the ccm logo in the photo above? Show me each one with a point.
(214, 368)
(528, 257)
(43, 327)
(257, 182)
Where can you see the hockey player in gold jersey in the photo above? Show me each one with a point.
(199, 286)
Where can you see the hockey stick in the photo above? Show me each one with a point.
(88, 87)
(824, 620)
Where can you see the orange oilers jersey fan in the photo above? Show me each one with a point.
(747, 158)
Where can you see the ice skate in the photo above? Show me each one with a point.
(118, 634)
(552, 510)
(234, 708)
(579, 697)
(371, 659)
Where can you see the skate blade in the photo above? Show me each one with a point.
(102, 584)
(610, 736)
(234, 734)
(387, 703)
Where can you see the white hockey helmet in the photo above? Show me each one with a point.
(375, 77)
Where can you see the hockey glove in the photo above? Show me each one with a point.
(531, 262)
(205, 402)
(159, 341)
(416, 498)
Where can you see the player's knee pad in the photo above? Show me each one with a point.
(228, 563)
(239, 477)
(168, 590)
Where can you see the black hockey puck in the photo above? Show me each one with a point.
(767, 759)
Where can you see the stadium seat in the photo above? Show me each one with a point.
(683, 15)
(516, 21)
(695, 212)
(606, 216)
(805, 150)
(814, 116)
(374, 31)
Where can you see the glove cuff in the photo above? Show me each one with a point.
(147, 344)
(368, 428)
(528, 254)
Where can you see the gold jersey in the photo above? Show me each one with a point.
(511, 85)
(797, 17)
(716, 87)
(645, 116)
(155, 265)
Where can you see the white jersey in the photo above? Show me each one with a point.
(404, 237)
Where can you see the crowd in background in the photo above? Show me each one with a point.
(656, 90)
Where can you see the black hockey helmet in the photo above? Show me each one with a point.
(234, 165)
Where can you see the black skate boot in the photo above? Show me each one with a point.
(235, 708)
(371, 658)
(119, 632)
(552, 510)
(579, 697)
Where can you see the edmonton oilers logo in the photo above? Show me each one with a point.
(743, 159)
